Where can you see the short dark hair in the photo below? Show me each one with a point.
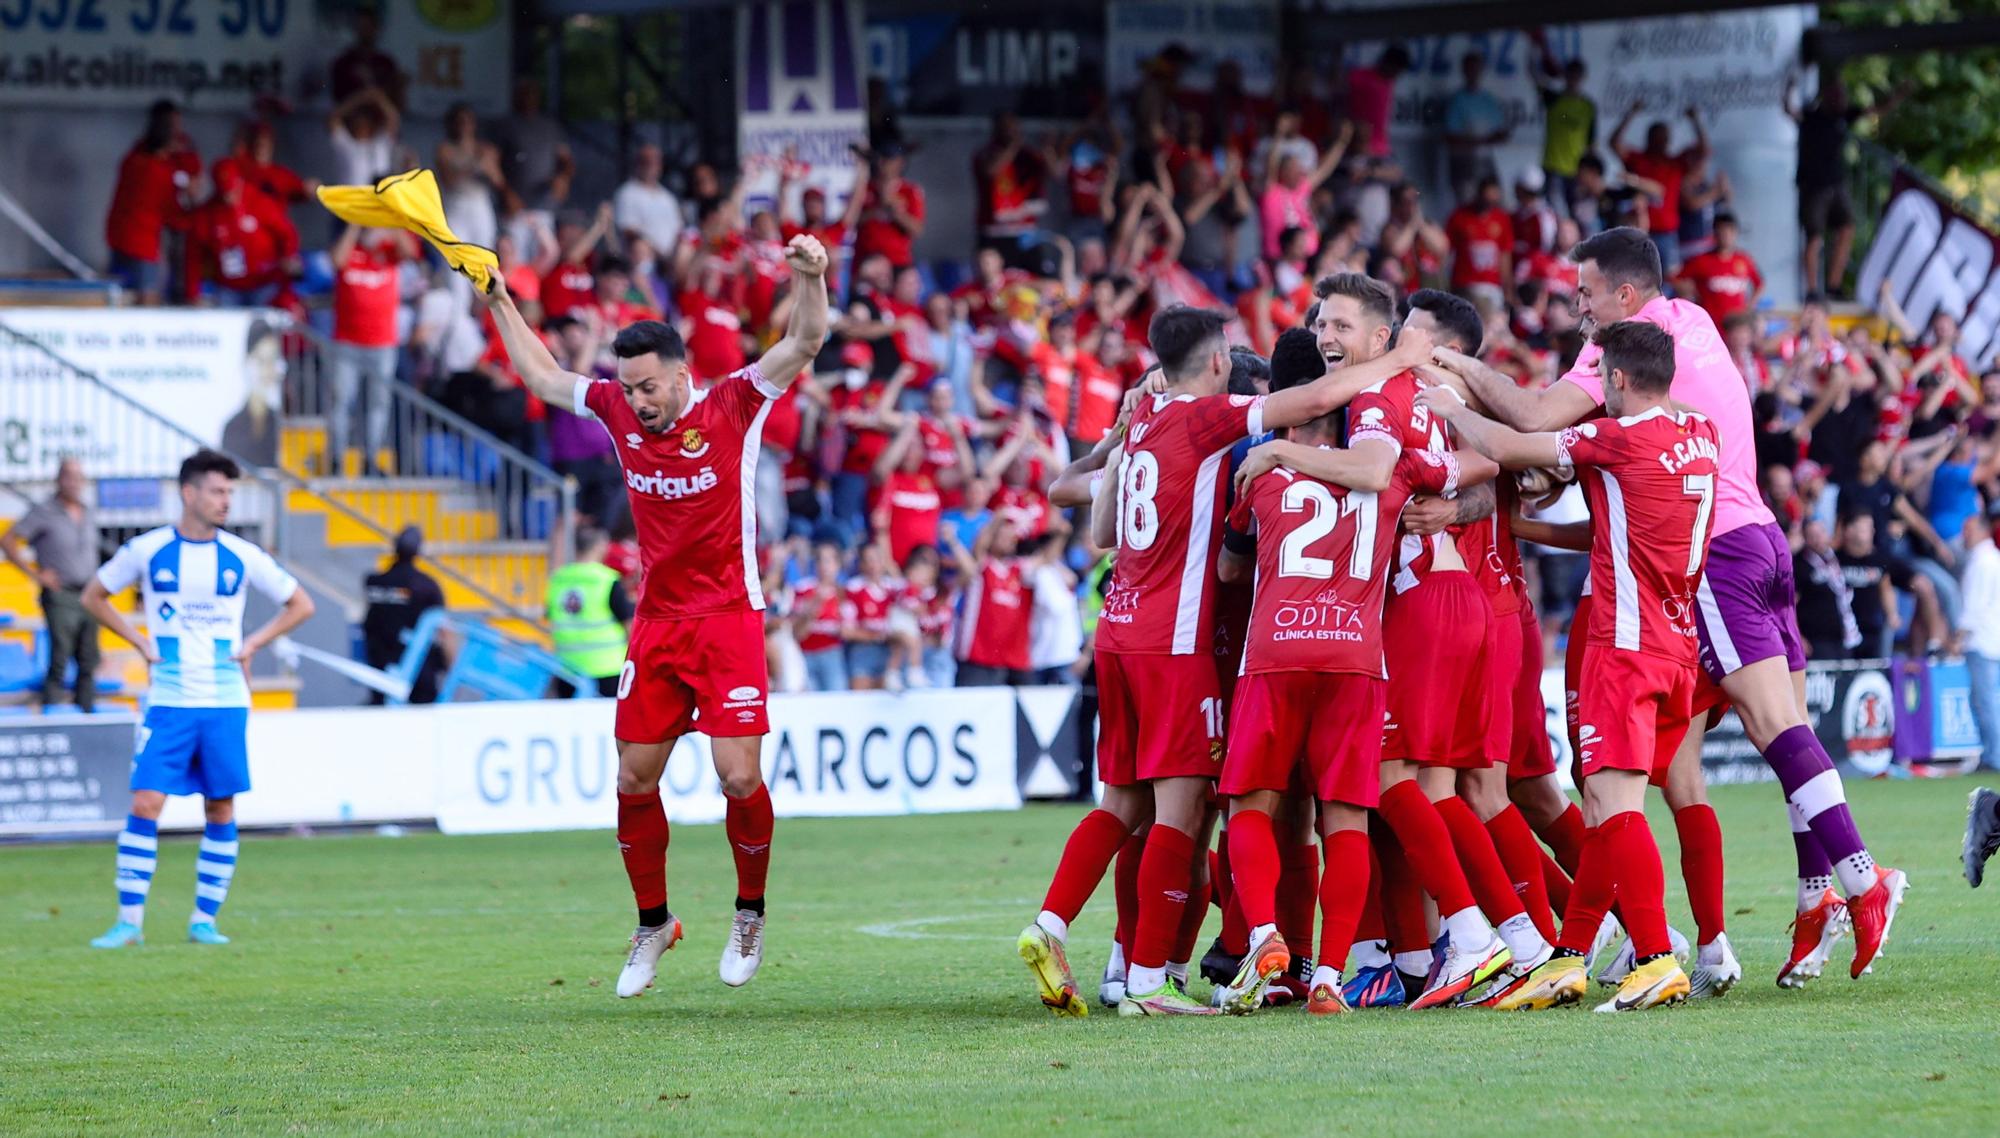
(1724, 217)
(1590, 162)
(1178, 333)
(1374, 296)
(1396, 56)
(206, 461)
(1644, 352)
(648, 337)
(1296, 359)
(1246, 367)
(1455, 316)
(609, 264)
(588, 535)
(1626, 256)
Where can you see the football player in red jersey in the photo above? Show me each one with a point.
(696, 654)
(1649, 470)
(1311, 698)
(1160, 711)
(1438, 624)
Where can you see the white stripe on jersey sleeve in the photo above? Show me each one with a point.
(1625, 586)
(577, 405)
(746, 469)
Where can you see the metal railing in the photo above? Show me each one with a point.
(426, 440)
(52, 409)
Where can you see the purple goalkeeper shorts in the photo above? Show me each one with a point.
(1745, 605)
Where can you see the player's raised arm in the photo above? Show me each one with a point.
(1104, 504)
(1549, 409)
(1504, 445)
(538, 370)
(805, 332)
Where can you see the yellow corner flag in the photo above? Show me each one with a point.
(410, 201)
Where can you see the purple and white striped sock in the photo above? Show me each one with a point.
(1812, 786)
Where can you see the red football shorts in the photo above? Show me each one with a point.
(1503, 669)
(1579, 630)
(1329, 722)
(1709, 699)
(1633, 711)
(1157, 717)
(1435, 638)
(1530, 756)
(705, 670)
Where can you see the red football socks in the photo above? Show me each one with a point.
(1343, 893)
(1590, 895)
(1370, 926)
(1125, 886)
(1565, 838)
(747, 821)
(642, 841)
(1701, 867)
(1298, 890)
(1521, 854)
(1085, 857)
(1200, 887)
(1556, 883)
(1426, 843)
(1253, 860)
(1164, 873)
(1480, 861)
(1642, 883)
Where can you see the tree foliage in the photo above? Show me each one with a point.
(1948, 124)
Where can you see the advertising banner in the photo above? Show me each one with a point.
(216, 54)
(200, 369)
(1037, 59)
(65, 774)
(1243, 32)
(554, 765)
(799, 97)
(1936, 259)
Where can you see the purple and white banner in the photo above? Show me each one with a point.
(800, 97)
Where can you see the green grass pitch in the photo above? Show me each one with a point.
(439, 986)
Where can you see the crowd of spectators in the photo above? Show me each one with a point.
(903, 493)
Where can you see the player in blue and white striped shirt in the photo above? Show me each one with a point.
(193, 579)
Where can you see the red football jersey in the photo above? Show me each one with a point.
(871, 602)
(998, 603)
(1025, 506)
(1488, 549)
(1477, 239)
(692, 489)
(1652, 475)
(1323, 559)
(1161, 597)
(934, 608)
(1389, 411)
(914, 507)
(1723, 285)
(715, 334)
(567, 287)
(833, 608)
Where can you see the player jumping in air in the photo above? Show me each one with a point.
(1750, 642)
(695, 661)
(193, 582)
(1649, 473)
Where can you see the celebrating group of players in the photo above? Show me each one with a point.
(1348, 651)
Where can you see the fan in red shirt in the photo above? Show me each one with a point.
(908, 505)
(1482, 245)
(1665, 168)
(821, 618)
(242, 241)
(992, 645)
(945, 437)
(833, 233)
(252, 160)
(1012, 175)
(695, 657)
(892, 211)
(1649, 473)
(711, 324)
(614, 307)
(153, 178)
(871, 596)
(984, 293)
(570, 284)
(1160, 706)
(1724, 280)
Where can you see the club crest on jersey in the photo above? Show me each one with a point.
(693, 444)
